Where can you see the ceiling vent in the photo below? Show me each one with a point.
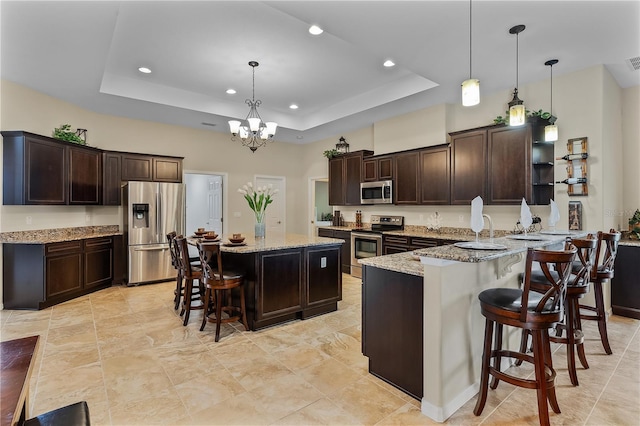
(634, 63)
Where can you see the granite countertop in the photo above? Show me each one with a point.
(58, 235)
(406, 263)
(629, 242)
(275, 242)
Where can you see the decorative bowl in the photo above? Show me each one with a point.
(210, 236)
(200, 233)
(236, 240)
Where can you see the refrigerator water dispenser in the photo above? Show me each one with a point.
(140, 215)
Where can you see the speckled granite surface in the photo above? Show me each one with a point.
(57, 235)
(274, 242)
(445, 233)
(628, 242)
(407, 263)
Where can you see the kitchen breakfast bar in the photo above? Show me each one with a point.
(430, 298)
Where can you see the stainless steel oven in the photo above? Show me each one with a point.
(368, 242)
(376, 192)
(363, 245)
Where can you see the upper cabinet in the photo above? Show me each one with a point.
(435, 175)
(42, 170)
(497, 163)
(345, 175)
(377, 168)
(407, 177)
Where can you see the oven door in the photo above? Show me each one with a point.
(364, 245)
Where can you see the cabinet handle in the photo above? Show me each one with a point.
(152, 249)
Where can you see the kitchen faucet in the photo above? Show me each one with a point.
(490, 226)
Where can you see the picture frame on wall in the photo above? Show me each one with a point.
(575, 216)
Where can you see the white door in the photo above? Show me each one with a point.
(275, 213)
(203, 203)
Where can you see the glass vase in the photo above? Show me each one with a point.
(259, 229)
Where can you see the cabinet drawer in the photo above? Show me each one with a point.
(63, 248)
(396, 240)
(328, 233)
(98, 243)
(423, 242)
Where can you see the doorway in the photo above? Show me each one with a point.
(204, 203)
(319, 208)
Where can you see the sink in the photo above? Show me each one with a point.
(480, 245)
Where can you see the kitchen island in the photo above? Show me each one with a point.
(287, 276)
(451, 329)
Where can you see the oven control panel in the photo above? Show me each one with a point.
(387, 220)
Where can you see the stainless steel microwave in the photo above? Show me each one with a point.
(380, 192)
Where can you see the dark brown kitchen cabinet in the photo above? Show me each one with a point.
(377, 168)
(407, 177)
(345, 249)
(345, 175)
(509, 165)
(45, 171)
(167, 169)
(402, 243)
(323, 265)
(434, 175)
(36, 276)
(468, 166)
(625, 291)
(137, 167)
(85, 175)
(111, 178)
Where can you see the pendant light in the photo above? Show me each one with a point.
(551, 130)
(470, 87)
(517, 112)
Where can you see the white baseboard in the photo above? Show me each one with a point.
(440, 414)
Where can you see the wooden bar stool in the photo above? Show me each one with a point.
(72, 415)
(190, 274)
(526, 309)
(218, 286)
(569, 331)
(195, 262)
(607, 242)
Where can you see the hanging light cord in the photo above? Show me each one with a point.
(470, 32)
(517, 56)
(551, 107)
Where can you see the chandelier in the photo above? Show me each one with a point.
(254, 132)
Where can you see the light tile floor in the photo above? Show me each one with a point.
(124, 350)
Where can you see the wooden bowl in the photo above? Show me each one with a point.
(199, 233)
(210, 236)
(236, 240)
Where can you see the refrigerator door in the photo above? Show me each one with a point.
(150, 263)
(171, 210)
(142, 213)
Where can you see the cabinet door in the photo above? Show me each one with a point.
(407, 185)
(385, 168)
(468, 166)
(509, 173)
(137, 167)
(336, 181)
(111, 189)
(323, 276)
(282, 271)
(167, 170)
(63, 268)
(369, 170)
(85, 176)
(435, 185)
(345, 254)
(98, 261)
(45, 172)
(353, 177)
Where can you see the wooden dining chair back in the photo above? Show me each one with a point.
(529, 309)
(192, 298)
(219, 283)
(173, 250)
(602, 271)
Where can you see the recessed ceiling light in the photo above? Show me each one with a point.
(231, 92)
(315, 30)
(144, 70)
(299, 137)
(293, 106)
(389, 63)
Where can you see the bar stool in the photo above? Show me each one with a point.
(577, 287)
(607, 241)
(190, 274)
(195, 262)
(218, 284)
(526, 309)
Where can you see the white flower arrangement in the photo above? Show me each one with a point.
(258, 198)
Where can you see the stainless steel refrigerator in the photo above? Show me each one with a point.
(151, 211)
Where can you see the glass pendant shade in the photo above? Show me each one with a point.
(271, 128)
(516, 115)
(234, 126)
(471, 92)
(551, 133)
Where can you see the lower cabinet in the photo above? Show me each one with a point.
(392, 327)
(282, 285)
(625, 291)
(400, 243)
(345, 254)
(36, 276)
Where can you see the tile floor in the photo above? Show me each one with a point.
(125, 351)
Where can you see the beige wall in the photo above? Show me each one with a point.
(630, 151)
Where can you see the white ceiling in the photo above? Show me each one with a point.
(88, 53)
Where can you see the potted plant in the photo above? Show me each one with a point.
(330, 153)
(64, 133)
(531, 115)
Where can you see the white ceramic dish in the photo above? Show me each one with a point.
(556, 232)
(527, 237)
(479, 245)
